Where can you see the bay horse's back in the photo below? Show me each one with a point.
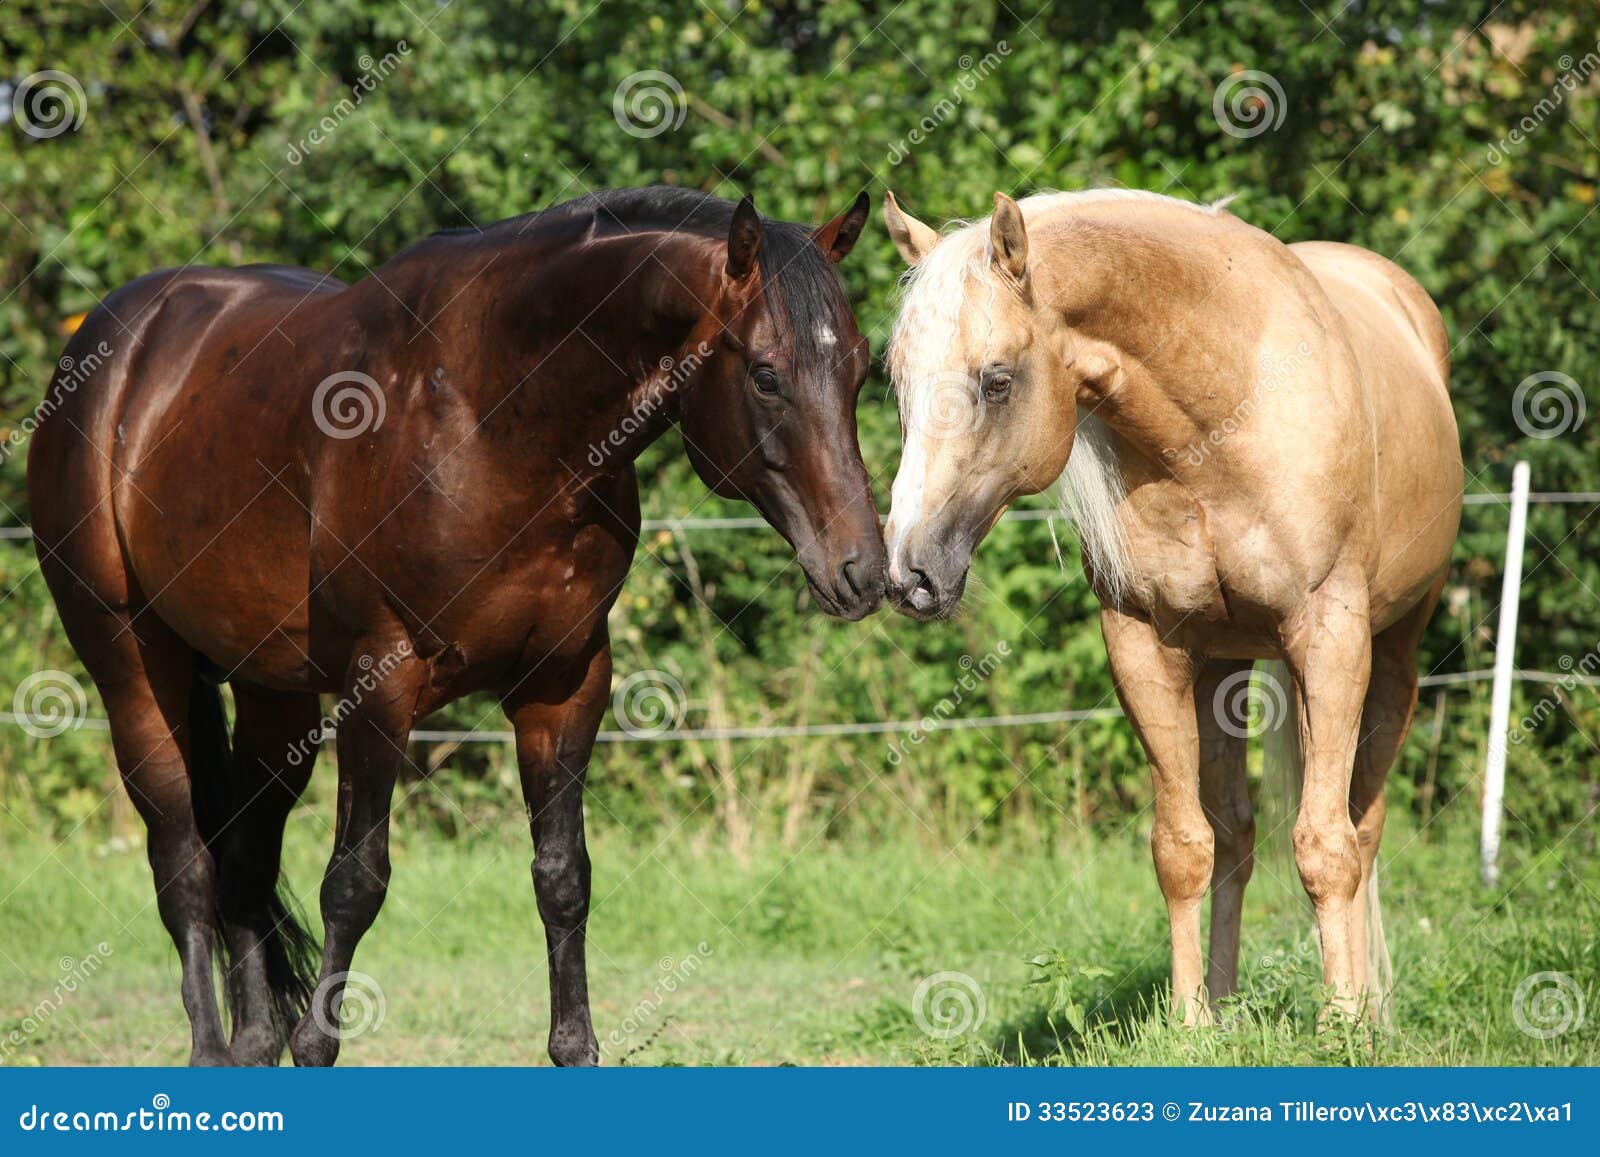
(1402, 352)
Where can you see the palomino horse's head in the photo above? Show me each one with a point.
(772, 416)
(987, 399)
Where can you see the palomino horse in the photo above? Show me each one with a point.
(404, 490)
(1261, 457)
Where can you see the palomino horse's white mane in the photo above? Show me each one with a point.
(935, 294)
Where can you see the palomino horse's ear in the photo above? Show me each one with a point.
(911, 237)
(1008, 237)
(744, 240)
(839, 236)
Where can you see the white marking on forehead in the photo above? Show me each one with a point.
(826, 337)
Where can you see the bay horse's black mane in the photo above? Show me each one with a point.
(793, 268)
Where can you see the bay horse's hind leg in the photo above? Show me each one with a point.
(1225, 795)
(555, 723)
(376, 711)
(1385, 721)
(275, 738)
(162, 735)
(1328, 649)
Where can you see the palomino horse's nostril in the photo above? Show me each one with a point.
(923, 598)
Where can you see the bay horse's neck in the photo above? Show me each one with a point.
(559, 343)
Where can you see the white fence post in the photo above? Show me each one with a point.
(1505, 662)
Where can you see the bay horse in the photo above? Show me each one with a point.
(406, 489)
(1260, 453)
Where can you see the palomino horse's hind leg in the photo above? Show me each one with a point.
(1329, 654)
(1225, 795)
(1385, 721)
(145, 675)
(274, 747)
(379, 701)
(1155, 683)
(555, 728)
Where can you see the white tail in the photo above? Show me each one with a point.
(1282, 776)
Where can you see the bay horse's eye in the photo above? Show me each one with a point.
(767, 381)
(995, 381)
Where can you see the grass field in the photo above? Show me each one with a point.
(816, 957)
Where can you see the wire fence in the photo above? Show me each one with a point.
(902, 726)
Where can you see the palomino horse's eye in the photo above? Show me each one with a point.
(995, 382)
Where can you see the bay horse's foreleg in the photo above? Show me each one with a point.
(555, 722)
(275, 737)
(375, 716)
(1386, 716)
(1155, 683)
(1225, 795)
(1328, 649)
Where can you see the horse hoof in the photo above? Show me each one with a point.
(210, 1058)
(574, 1052)
(311, 1047)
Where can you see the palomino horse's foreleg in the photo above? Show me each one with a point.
(555, 724)
(1155, 683)
(275, 737)
(371, 746)
(1385, 720)
(1225, 795)
(1328, 648)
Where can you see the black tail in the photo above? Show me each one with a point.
(244, 899)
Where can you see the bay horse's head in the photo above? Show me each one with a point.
(771, 417)
(987, 383)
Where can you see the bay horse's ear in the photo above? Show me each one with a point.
(1008, 237)
(911, 237)
(744, 240)
(839, 236)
